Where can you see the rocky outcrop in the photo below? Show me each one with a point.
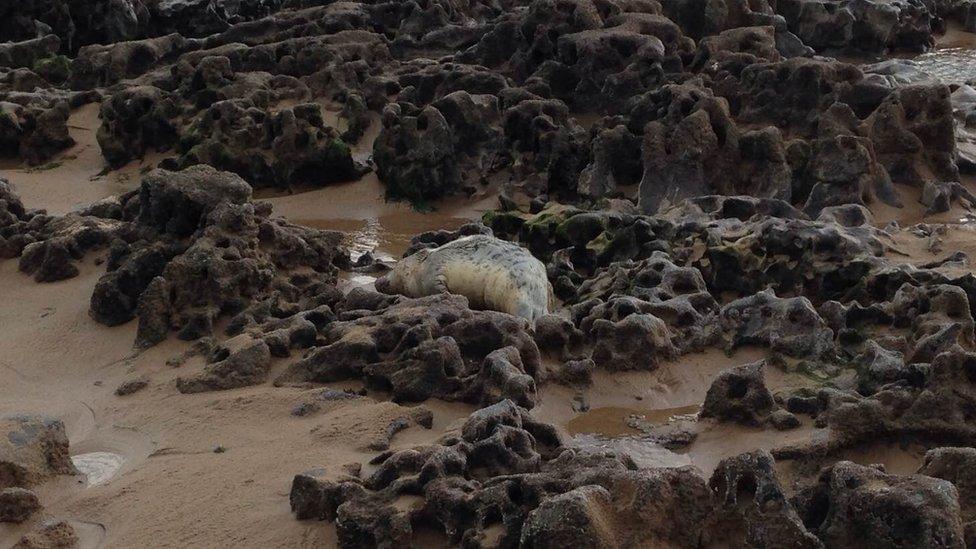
(574, 496)
(415, 155)
(32, 449)
(136, 121)
(238, 363)
(788, 325)
(850, 503)
(427, 347)
(868, 27)
(739, 394)
(292, 146)
(34, 132)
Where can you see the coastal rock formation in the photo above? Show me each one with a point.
(658, 182)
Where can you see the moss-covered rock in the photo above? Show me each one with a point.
(56, 69)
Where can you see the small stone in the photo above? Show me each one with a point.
(50, 535)
(132, 386)
(783, 420)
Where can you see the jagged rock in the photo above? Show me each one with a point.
(552, 149)
(676, 295)
(913, 136)
(636, 342)
(557, 336)
(415, 156)
(51, 534)
(694, 155)
(842, 169)
(615, 153)
(753, 509)
(938, 196)
(135, 121)
(34, 132)
(881, 366)
(787, 325)
(579, 517)
(427, 347)
(640, 507)
(177, 202)
(32, 449)
(739, 394)
(503, 377)
(245, 362)
(116, 296)
(576, 372)
(851, 503)
(286, 147)
(954, 465)
(104, 65)
(29, 52)
(860, 27)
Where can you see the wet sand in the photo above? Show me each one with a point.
(77, 176)
(172, 490)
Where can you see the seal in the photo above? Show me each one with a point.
(491, 273)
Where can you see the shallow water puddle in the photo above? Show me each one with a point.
(951, 65)
(98, 467)
(617, 421)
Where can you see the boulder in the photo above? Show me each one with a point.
(32, 449)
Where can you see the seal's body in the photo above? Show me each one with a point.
(491, 273)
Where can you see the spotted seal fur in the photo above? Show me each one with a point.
(491, 273)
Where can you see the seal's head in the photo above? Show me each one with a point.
(405, 277)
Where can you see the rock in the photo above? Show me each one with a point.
(869, 27)
(938, 196)
(692, 156)
(132, 386)
(29, 52)
(582, 516)
(427, 347)
(49, 535)
(245, 362)
(851, 503)
(595, 494)
(32, 449)
(576, 372)
(913, 134)
(881, 366)
(556, 336)
(289, 146)
(783, 420)
(739, 394)
(637, 342)
(955, 466)
(787, 325)
(104, 65)
(135, 121)
(18, 504)
(176, 202)
(615, 152)
(503, 377)
(753, 509)
(34, 132)
(415, 156)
